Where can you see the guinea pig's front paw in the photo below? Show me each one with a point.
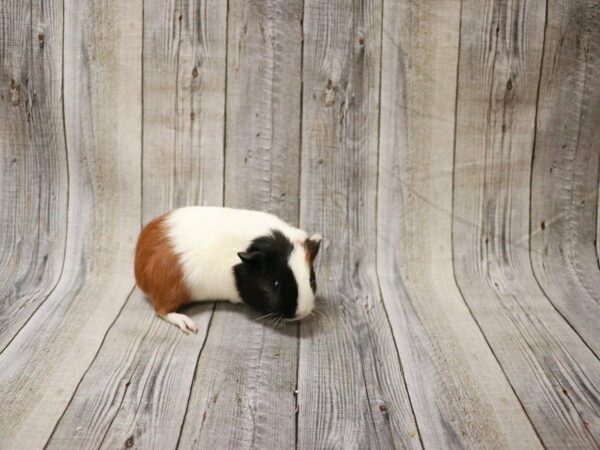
(182, 321)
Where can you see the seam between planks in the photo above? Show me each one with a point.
(351, 76)
(299, 217)
(225, 103)
(178, 18)
(299, 214)
(214, 307)
(452, 228)
(535, 129)
(90, 365)
(122, 396)
(383, 304)
(137, 409)
(64, 130)
(187, 406)
(142, 124)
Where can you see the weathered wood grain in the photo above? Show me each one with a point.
(460, 396)
(263, 105)
(555, 375)
(565, 167)
(151, 363)
(243, 391)
(184, 103)
(33, 168)
(351, 133)
(42, 367)
(136, 390)
(351, 390)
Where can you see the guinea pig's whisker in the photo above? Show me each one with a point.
(269, 320)
(276, 321)
(264, 318)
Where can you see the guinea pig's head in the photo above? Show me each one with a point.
(276, 276)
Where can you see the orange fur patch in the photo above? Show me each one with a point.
(311, 249)
(308, 257)
(157, 269)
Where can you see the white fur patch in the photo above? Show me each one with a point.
(300, 269)
(207, 240)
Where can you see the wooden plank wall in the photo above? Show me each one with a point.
(47, 359)
(448, 152)
(32, 155)
(415, 244)
(341, 77)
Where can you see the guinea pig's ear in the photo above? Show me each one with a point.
(252, 257)
(312, 245)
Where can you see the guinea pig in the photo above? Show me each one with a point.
(210, 253)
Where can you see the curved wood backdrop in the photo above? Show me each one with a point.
(448, 151)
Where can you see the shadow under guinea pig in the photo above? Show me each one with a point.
(312, 325)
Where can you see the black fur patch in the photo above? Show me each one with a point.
(313, 280)
(264, 279)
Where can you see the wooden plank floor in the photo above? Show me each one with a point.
(448, 151)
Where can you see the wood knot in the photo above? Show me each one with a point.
(330, 94)
(15, 96)
(509, 85)
(195, 72)
(129, 442)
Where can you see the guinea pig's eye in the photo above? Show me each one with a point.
(276, 285)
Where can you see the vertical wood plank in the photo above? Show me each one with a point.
(33, 166)
(551, 370)
(184, 59)
(263, 105)
(351, 390)
(460, 395)
(243, 392)
(565, 167)
(136, 392)
(42, 367)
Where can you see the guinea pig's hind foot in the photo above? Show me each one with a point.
(182, 321)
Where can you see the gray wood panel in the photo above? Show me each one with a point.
(42, 367)
(459, 393)
(33, 167)
(136, 391)
(565, 167)
(351, 389)
(183, 104)
(151, 363)
(243, 390)
(263, 105)
(244, 385)
(552, 371)
(427, 141)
